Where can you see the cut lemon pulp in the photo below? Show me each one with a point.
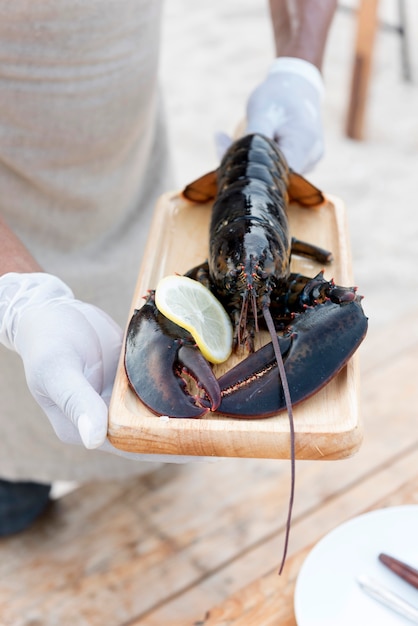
(192, 306)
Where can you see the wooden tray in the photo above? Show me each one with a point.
(326, 425)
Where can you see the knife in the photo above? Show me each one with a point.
(388, 598)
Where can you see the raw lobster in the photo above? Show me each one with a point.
(319, 324)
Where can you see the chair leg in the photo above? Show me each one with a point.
(404, 33)
(366, 31)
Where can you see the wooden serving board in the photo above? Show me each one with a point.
(326, 425)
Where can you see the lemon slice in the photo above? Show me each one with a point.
(192, 306)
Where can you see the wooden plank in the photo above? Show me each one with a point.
(306, 530)
(111, 572)
(258, 603)
(269, 601)
(327, 425)
(362, 65)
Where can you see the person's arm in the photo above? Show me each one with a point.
(14, 256)
(300, 28)
(286, 106)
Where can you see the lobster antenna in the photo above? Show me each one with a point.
(280, 365)
(242, 319)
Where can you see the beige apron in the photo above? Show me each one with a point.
(83, 158)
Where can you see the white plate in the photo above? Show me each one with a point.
(327, 592)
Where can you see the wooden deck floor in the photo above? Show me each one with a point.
(174, 547)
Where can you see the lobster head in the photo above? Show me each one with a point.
(243, 277)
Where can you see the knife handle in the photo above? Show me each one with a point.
(403, 570)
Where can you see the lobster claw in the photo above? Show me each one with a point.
(157, 351)
(318, 345)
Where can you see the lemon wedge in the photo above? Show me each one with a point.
(192, 306)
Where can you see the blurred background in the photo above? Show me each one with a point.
(215, 53)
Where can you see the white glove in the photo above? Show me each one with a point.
(286, 107)
(70, 350)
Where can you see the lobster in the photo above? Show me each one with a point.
(315, 325)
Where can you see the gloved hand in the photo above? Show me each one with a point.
(286, 107)
(70, 350)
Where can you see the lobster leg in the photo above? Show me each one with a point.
(157, 352)
(314, 349)
(310, 250)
